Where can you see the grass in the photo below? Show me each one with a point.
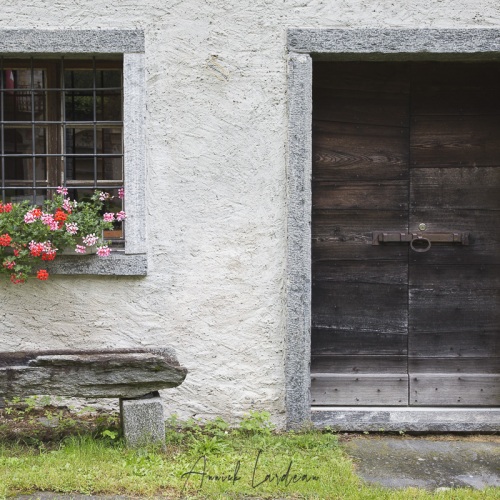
(251, 461)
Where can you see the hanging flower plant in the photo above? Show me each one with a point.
(30, 235)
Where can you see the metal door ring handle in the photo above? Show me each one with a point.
(423, 244)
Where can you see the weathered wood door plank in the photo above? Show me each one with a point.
(444, 389)
(360, 389)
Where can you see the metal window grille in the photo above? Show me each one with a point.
(61, 123)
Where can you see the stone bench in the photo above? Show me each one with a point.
(133, 375)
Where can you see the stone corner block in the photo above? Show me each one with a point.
(143, 421)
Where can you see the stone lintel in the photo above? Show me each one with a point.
(394, 41)
(71, 41)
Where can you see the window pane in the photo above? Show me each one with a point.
(18, 195)
(79, 79)
(79, 106)
(18, 170)
(109, 105)
(41, 169)
(18, 140)
(22, 94)
(80, 168)
(84, 78)
(8, 106)
(40, 140)
(80, 140)
(109, 168)
(19, 104)
(80, 194)
(109, 141)
(20, 78)
(29, 100)
(109, 78)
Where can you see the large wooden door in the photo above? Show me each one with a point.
(408, 148)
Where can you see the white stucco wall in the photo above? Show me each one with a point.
(216, 190)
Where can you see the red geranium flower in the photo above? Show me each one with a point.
(5, 208)
(42, 275)
(60, 216)
(16, 279)
(5, 240)
(8, 264)
(49, 255)
(36, 251)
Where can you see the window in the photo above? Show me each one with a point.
(72, 112)
(61, 123)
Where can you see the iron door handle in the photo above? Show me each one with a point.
(420, 241)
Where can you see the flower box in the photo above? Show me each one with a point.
(71, 251)
(31, 235)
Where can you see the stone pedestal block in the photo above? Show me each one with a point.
(143, 421)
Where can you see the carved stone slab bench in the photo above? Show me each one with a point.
(133, 375)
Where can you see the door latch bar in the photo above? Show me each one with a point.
(419, 241)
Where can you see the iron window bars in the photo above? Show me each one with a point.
(61, 123)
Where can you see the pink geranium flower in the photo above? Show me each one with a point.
(67, 205)
(48, 220)
(90, 239)
(103, 251)
(72, 227)
(29, 218)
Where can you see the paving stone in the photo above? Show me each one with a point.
(427, 462)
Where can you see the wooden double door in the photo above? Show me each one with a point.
(406, 234)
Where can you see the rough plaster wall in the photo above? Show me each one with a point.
(216, 127)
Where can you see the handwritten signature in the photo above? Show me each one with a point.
(199, 471)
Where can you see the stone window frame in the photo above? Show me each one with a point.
(305, 45)
(132, 260)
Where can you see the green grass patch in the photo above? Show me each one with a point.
(210, 461)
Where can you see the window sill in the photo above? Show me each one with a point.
(117, 264)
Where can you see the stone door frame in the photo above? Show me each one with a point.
(304, 46)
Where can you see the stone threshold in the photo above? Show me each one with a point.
(406, 419)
